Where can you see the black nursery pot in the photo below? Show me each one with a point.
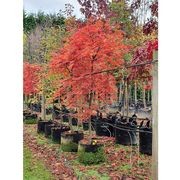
(65, 118)
(75, 137)
(126, 137)
(145, 141)
(85, 126)
(56, 133)
(102, 129)
(48, 128)
(74, 121)
(26, 113)
(111, 126)
(30, 116)
(89, 147)
(41, 126)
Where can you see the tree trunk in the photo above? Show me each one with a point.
(43, 107)
(90, 124)
(123, 100)
(144, 97)
(53, 113)
(24, 101)
(129, 89)
(148, 96)
(135, 92)
(155, 119)
(70, 123)
(59, 100)
(120, 92)
(127, 100)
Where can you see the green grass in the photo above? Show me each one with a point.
(33, 168)
(30, 121)
(90, 174)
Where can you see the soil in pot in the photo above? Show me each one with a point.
(125, 137)
(41, 126)
(145, 141)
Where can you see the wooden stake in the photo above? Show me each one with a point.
(155, 118)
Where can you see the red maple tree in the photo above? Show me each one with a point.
(30, 78)
(91, 49)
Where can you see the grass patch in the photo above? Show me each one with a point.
(34, 169)
(91, 174)
(125, 168)
(88, 173)
(70, 147)
(30, 121)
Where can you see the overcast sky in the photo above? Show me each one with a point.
(51, 6)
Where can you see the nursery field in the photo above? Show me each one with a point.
(90, 87)
(121, 162)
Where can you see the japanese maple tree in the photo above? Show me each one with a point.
(30, 78)
(93, 48)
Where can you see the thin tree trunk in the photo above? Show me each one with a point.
(70, 123)
(124, 103)
(144, 97)
(59, 100)
(135, 92)
(53, 114)
(127, 100)
(24, 101)
(120, 92)
(129, 89)
(148, 96)
(90, 124)
(43, 107)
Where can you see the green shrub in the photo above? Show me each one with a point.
(90, 158)
(30, 121)
(70, 147)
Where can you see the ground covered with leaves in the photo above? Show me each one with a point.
(122, 162)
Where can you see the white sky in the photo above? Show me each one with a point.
(50, 6)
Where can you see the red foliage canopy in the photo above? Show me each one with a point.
(30, 78)
(95, 47)
(142, 55)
